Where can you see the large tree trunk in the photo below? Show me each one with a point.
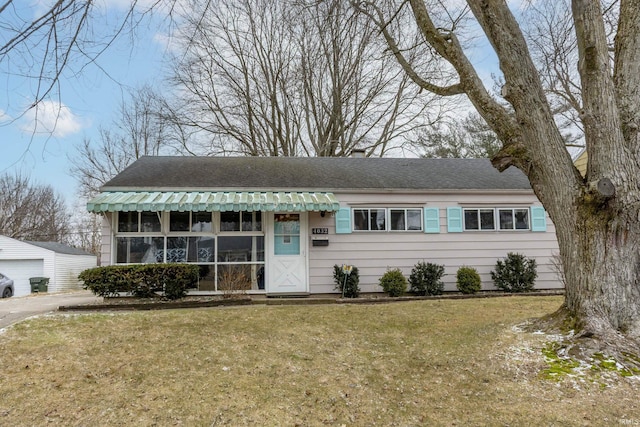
(597, 222)
(602, 260)
(602, 256)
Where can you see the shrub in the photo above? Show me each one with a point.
(108, 281)
(393, 282)
(177, 278)
(143, 280)
(515, 273)
(425, 279)
(350, 287)
(234, 280)
(468, 280)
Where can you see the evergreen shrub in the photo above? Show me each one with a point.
(516, 273)
(350, 285)
(468, 280)
(425, 279)
(393, 282)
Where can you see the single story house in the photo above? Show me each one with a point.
(278, 225)
(61, 264)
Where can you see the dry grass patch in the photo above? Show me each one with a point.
(456, 362)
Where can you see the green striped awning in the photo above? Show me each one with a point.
(212, 201)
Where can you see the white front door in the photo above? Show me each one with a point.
(287, 261)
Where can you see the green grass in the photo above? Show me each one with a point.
(436, 362)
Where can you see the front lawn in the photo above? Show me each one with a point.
(432, 362)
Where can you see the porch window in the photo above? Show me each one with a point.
(145, 250)
(240, 277)
(241, 221)
(189, 249)
(135, 222)
(234, 245)
(240, 248)
(196, 222)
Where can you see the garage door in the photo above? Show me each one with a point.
(20, 271)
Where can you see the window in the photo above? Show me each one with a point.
(190, 249)
(145, 250)
(370, 219)
(190, 221)
(484, 219)
(240, 248)
(135, 222)
(241, 221)
(406, 219)
(286, 234)
(514, 219)
(479, 219)
(387, 219)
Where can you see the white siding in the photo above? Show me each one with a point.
(107, 238)
(67, 269)
(374, 252)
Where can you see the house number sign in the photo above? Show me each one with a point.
(322, 230)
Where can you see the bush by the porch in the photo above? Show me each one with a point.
(143, 280)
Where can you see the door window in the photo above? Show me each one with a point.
(287, 234)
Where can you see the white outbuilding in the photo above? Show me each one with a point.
(61, 264)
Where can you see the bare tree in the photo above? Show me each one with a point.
(292, 77)
(140, 130)
(31, 212)
(85, 230)
(470, 137)
(596, 218)
(57, 40)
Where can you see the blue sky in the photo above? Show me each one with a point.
(85, 102)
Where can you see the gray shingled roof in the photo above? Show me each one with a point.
(59, 248)
(314, 173)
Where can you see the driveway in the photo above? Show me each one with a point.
(16, 309)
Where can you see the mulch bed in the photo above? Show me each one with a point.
(131, 303)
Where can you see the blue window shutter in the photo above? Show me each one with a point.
(454, 220)
(431, 220)
(538, 219)
(343, 221)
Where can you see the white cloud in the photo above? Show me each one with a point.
(53, 118)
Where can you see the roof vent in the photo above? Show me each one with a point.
(357, 152)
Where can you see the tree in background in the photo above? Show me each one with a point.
(597, 218)
(467, 138)
(293, 78)
(32, 212)
(140, 130)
